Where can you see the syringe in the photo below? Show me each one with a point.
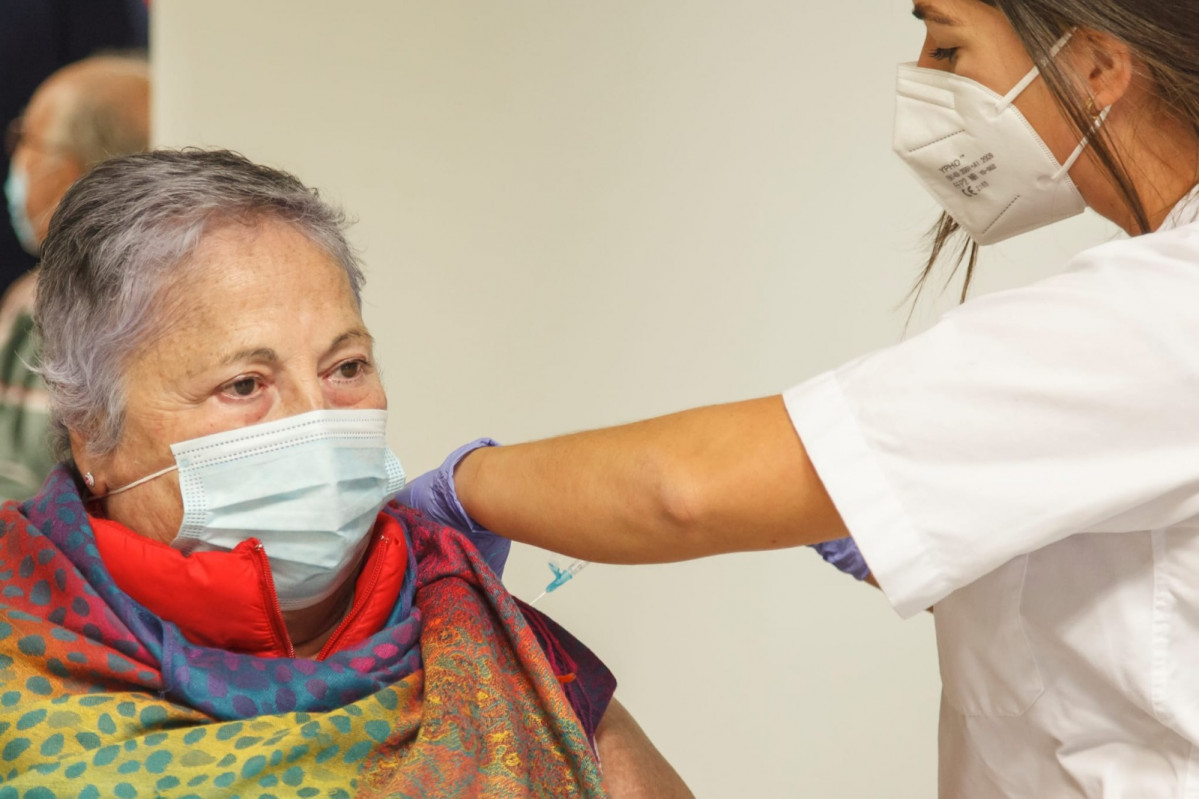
(561, 576)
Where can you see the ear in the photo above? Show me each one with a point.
(59, 181)
(71, 170)
(88, 463)
(1106, 65)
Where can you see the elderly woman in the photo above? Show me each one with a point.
(214, 592)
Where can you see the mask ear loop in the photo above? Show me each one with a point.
(1096, 124)
(135, 483)
(1024, 83)
(1033, 73)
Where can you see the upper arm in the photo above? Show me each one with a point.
(632, 766)
(742, 479)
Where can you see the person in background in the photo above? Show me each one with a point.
(81, 115)
(38, 37)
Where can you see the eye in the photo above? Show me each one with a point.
(242, 387)
(350, 370)
(943, 53)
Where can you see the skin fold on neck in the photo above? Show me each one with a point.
(310, 629)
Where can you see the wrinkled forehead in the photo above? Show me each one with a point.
(208, 238)
(225, 248)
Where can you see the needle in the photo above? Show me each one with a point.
(561, 576)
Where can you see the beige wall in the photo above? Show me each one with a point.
(581, 213)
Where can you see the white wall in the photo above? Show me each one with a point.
(578, 213)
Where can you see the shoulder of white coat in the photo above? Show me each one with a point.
(1169, 251)
(1147, 280)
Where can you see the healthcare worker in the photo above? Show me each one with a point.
(1029, 466)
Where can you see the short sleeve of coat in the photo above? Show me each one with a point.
(1021, 418)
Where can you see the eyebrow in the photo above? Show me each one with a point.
(261, 354)
(352, 335)
(268, 355)
(927, 13)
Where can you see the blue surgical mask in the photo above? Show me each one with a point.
(16, 191)
(308, 487)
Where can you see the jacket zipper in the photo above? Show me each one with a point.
(282, 639)
(360, 598)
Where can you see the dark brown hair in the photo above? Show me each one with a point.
(1161, 33)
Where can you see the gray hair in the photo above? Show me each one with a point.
(120, 237)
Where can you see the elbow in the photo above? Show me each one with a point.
(678, 517)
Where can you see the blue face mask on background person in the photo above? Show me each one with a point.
(308, 487)
(16, 191)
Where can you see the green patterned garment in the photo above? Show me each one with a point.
(25, 456)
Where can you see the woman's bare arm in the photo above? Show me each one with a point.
(719, 479)
(632, 766)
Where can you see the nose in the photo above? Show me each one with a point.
(302, 396)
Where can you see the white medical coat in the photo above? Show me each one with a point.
(1030, 467)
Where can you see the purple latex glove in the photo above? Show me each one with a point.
(433, 494)
(845, 555)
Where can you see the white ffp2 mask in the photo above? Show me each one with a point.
(978, 155)
(308, 487)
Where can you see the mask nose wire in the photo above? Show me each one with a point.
(138, 482)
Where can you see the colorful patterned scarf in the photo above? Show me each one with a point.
(459, 695)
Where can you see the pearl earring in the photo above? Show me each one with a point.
(89, 480)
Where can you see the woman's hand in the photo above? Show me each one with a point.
(433, 495)
(845, 555)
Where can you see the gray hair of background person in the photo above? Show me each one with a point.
(97, 121)
(119, 239)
